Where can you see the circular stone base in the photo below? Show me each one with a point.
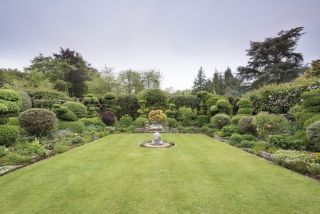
(150, 145)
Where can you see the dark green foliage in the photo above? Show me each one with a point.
(172, 111)
(172, 122)
(108, 118)
(185, 101)
(247, 125)
(26, 102)
(230, 129)
(311, 101)
(37, 121)
(155, 98)
(140, 122)
(92, 104)
(3, 151)
(219, 121)
(313, 134)
(200, 82)
(46, 98)
(109, 102)
(224, 106)
(9, 134)
(61, 85)
(236, 139)
(202, 120)
(314, 70)
(77, 108)
(63, 113)
(285, 142)
(270, 124)
(274, 59)
(74, 126)
(128, 104)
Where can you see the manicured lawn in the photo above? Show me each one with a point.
(114, 175)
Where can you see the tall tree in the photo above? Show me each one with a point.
(151, 79)
(78, 73)
(218, 83)
(200, 82)
(231, 83)
(274, 60)
(131, 81)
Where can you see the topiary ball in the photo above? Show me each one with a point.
(140, 122)
(37, 121)
(219, 121)
(247, 125)
(77, 108)
(108, 118)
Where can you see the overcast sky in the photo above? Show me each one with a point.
(173, 36)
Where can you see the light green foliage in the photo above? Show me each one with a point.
(224, 106)
(279, 98)
(235, 119)
(94, 121)
(219, 121)
(77, 108)
(230, 129)
(26, 102)
(185, 115)
(60, 148)
(13, 158)
(269, 124)
(74, 126)
(141, 122)
(9, 134)
(10, 102)
(30, 149)
(125, 121)
(77, 140)
(63, 113)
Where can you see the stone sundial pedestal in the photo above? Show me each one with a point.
(156, 142)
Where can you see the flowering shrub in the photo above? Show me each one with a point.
(279, 98)
(157, 116)
(269, 124)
